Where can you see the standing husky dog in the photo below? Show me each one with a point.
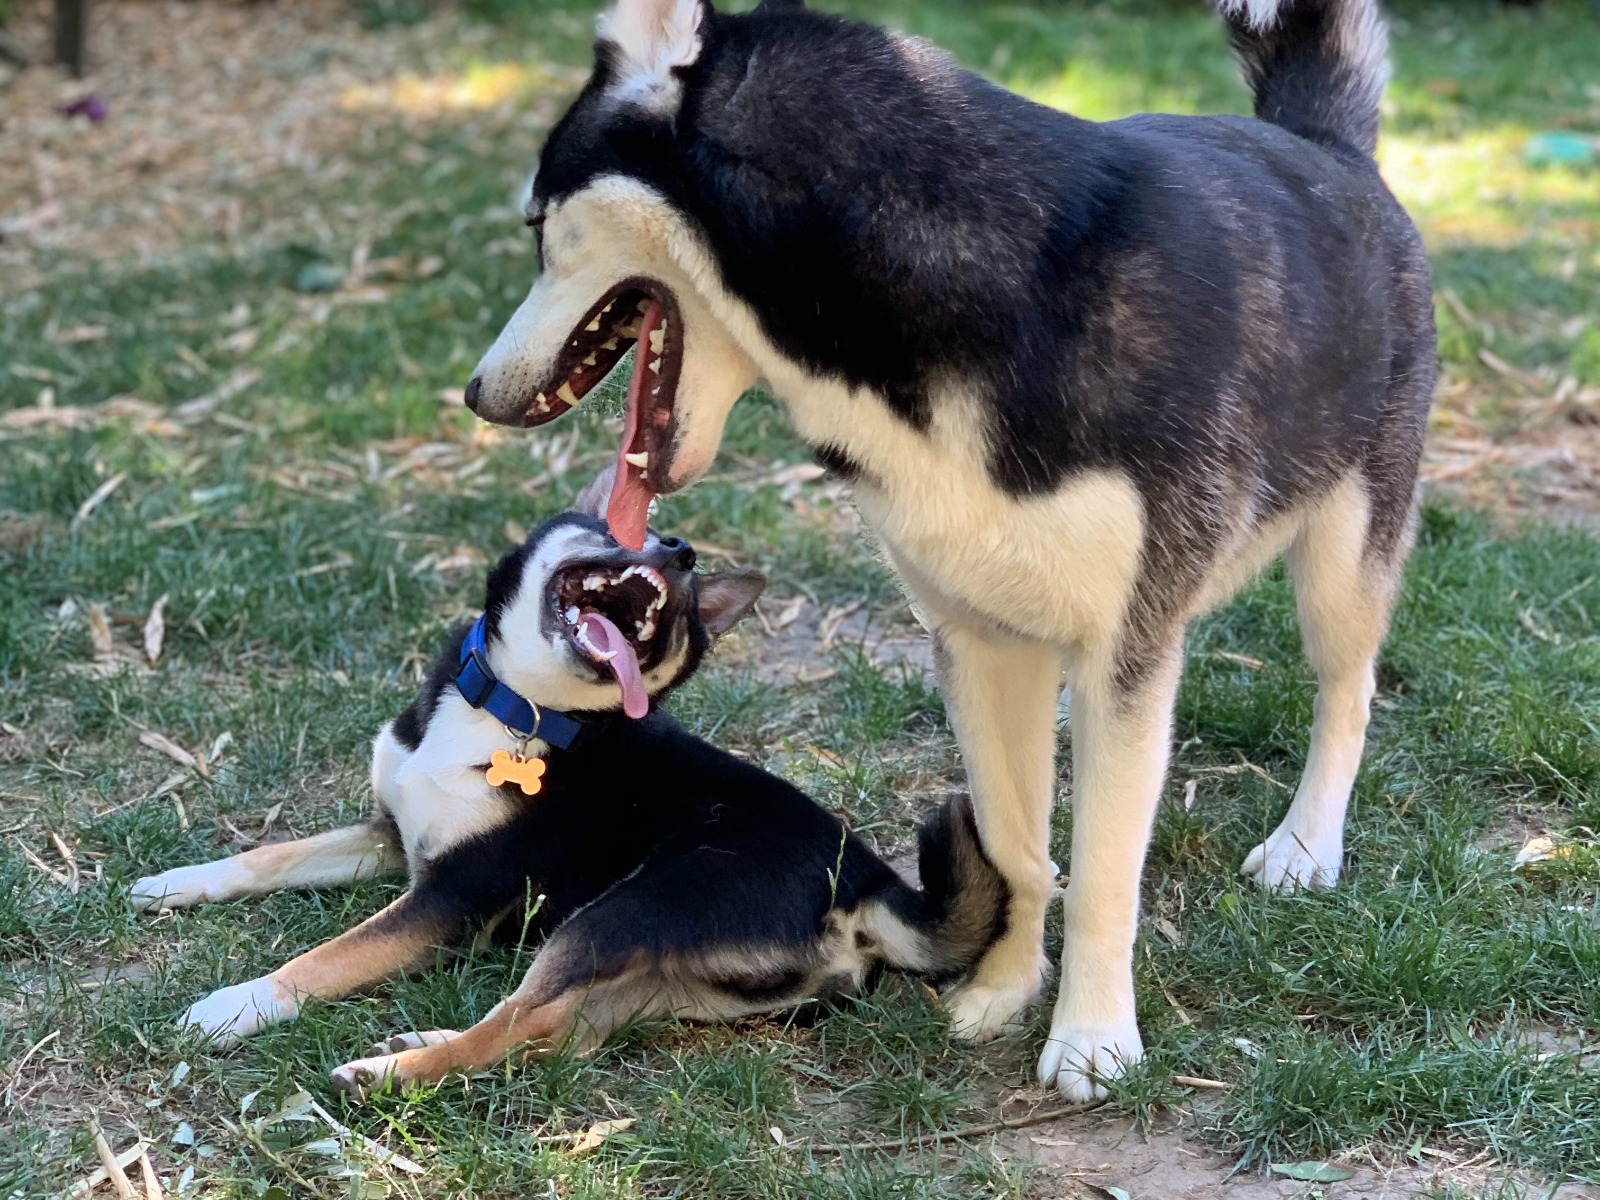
(1086, 378)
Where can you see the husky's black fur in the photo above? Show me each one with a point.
(1233, 312)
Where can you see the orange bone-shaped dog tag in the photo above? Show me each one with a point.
(526, 773)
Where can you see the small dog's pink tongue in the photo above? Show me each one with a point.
(607, 640)
(628, 510)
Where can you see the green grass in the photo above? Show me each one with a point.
(309, 561)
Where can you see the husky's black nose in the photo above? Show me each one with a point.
(474, 392)
(679, 553)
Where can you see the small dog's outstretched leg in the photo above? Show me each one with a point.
(397, 939)
(339, 856)
(549, 1010)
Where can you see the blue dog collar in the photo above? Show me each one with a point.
(480, 688)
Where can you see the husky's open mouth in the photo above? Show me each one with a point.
(612, 616)
(639, 312)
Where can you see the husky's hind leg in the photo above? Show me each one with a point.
(1345, 591)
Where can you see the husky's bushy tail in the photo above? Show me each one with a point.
(942, 930)
(1316, 67)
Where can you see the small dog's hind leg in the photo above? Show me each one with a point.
(1121, 739)
(339, 856)
(1001, 694)
(397, 939)
(547, 1011)
(1344, 600)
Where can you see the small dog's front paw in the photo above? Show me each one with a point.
(979, 1013)
(1077, 1059)
(395, 1043)
(231, 1014)
(1289, 861)
(365, 1077)
(181, 887)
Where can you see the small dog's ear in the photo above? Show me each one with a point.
(591, 502)
(728, 596)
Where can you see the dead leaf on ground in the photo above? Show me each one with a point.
(595, 1136)
(1539, 849)
(97, 498)
(155, 630)
(165, 745)
(100, 634)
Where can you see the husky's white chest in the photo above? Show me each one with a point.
(1059, 567)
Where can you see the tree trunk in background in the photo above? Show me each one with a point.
(72, 34)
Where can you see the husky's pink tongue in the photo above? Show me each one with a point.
(617, 651)
(628, 510)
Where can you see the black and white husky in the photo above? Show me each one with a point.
(1086, 378)
(672, 878)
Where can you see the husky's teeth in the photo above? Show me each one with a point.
(629, 330)
(595, 583)
(644, 306)
(593, 326)
(658, 338)
(565, 393)
(607, 308)
(655, 365)
(572, 615)
(609, 344)
(639, 458)
(590, 361)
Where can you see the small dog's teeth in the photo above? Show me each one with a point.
(644, 306)
(658, 338)
(629, 330)
(607, 308)
(566, 393)
(639, 458)
(609, 344)
(593, 326)
(655, 365)
(542, 401)
(590, 361)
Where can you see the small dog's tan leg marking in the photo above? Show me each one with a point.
(338, 856)
(388, 943)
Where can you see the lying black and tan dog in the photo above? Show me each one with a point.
(671, 878)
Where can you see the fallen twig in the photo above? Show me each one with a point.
(108, 1160)
(966, 1131)
(1194, 1081)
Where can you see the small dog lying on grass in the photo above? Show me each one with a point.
(670, 877)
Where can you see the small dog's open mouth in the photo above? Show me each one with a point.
(612, 615)
(638, 312)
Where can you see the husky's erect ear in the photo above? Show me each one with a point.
(591, 502)
(728, 596)
(653, 37)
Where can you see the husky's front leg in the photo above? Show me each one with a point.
(1121, 738)
(1001, 695)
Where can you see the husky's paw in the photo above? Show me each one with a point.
(395, 1043)
(182, 887)
(1289, 861)
(231, 1014)
(1077, 1058)
(980, 1013)
(365, 1077)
